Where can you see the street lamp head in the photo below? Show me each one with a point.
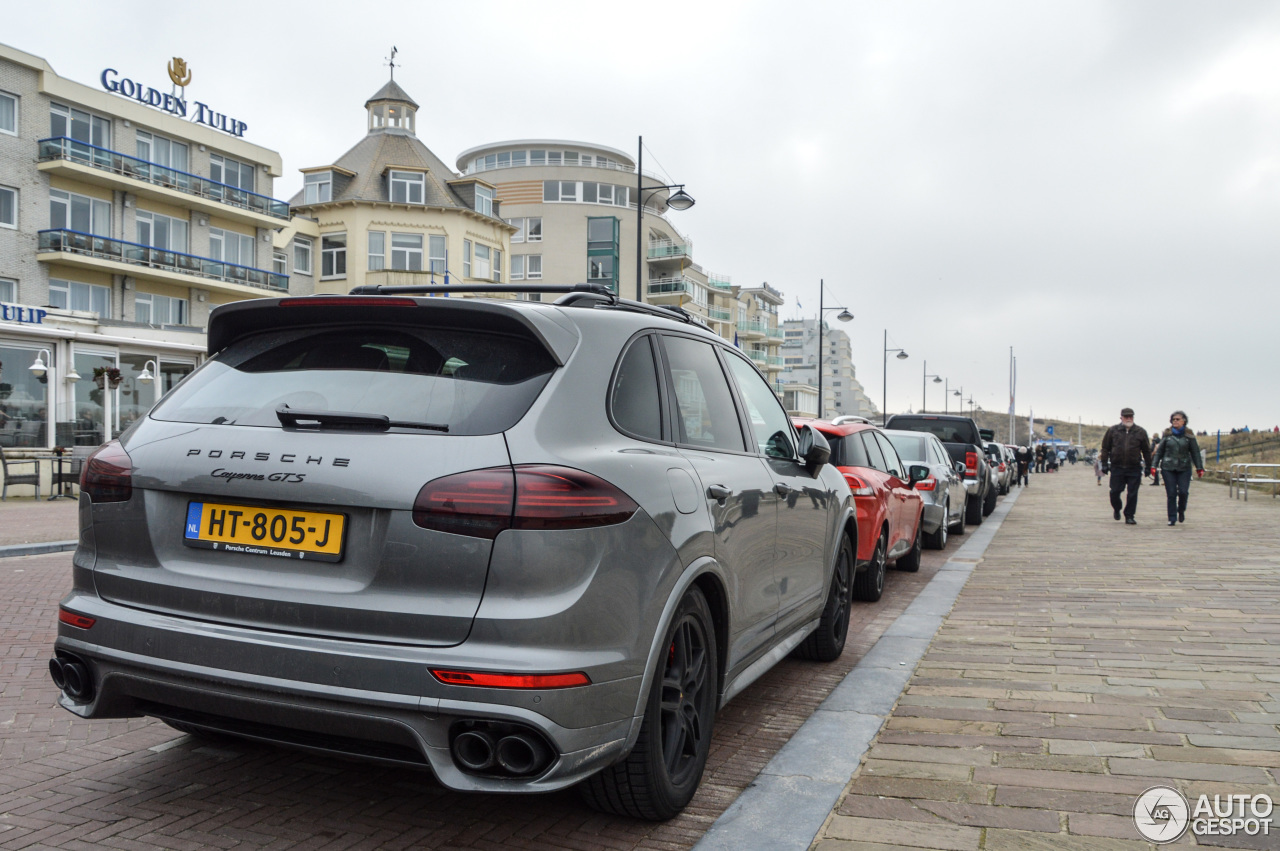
(937, 380)
(681, 200)
(844, 315)
(902, 355)
(956, 393)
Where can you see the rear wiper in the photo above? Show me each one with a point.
(347, 420)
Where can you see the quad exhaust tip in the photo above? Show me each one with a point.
(72, 676)
(499, 749)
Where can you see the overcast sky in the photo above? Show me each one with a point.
(1096, 184)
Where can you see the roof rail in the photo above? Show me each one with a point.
(849, 418)
(427, 289)
(584, 299)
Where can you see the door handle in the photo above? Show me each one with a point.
(782, 488)
(718, 492)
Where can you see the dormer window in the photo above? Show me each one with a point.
(408, 187)
(318, 187)
(484, 200)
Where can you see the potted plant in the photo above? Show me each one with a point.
(107, 375)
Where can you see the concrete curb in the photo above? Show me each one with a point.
(14, 550)
(789, 801)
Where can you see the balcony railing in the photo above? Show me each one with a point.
(135, 254)
(751, 326)
(773, 361)
(665, 286)
(62, 148)
(774, 333)
(664, 248)
(721, 282)
(719, 314)
(758, 356)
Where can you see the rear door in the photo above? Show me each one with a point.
(906, 499)
(268, 494)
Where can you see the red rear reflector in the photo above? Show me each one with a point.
(348, 301)
(79, 621)
(927, 484)
(482, 503)
(971, 464)
(108, 474)
(475, 678)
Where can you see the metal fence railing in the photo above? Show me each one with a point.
(1241, 476)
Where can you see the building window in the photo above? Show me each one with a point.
(600, 270)
(279, 262)
(481, 266)
(8, 289)
(8, 114)
(78, 125)
(231, 247)
(408, 187)
(437, 254)
(317, 188)
(484, 200)
(79, 213)
(160, 309)
(533, 267)
(162, 151)
(302, 255)
(530, 230)
(377, 250)
(163, 232)
(333, 255)
(72, 295)
(466, 258)
(406, 251)
(497, 265)
(231, 172)
(517, 267)
(8, 207)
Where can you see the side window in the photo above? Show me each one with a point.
(940, 455)
(633, 400)
(893, 463)
(769, 423)
(848, 451)
(874, 455)
(705, 414)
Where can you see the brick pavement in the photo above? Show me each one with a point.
(1084, 662)
(135, 783)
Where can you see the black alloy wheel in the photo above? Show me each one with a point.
(937, 540)
(869, 584)
(826, 643)
(911, 561)
(661, 774)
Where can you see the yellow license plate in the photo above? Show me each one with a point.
(255, 530)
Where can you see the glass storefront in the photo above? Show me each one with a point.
(24, 398)
(90, 400)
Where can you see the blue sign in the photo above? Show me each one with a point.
(172, 104)
(25, 315)
(1048, 429)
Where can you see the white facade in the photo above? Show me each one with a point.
(842, 393)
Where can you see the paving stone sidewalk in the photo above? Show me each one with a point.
(1084, 662)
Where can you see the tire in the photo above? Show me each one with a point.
(938, 540)
(989, 504)
(826, 643)
(869, 584)
(973, 511)
(911, 561)
(661, 774)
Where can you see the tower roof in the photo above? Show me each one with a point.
(391, 92)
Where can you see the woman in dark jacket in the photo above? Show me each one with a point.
(1177, 455)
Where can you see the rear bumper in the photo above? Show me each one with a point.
(372, 701)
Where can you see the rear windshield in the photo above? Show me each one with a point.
(470, 381)
(909, 448)
(948, 431)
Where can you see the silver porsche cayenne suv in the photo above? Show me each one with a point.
(522, 544)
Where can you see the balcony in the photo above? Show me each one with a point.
(758, 357)
(719, 314)
(774, 333)
(87, 251)
(81, 161)
(752, 330)
(659, 287)
(667, 249)
(773, 363)
(720, 282)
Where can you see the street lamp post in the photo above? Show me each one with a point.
(924, 391)
(844, 316)
(679, 201)
(884, 385)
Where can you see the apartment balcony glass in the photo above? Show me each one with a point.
(774, 333)
(752, 327)
(146, 257)
(758, 356)
(669, 286)
(720, 282)
(123, 165)
(719, 314)
(774, 361)
(662, 249)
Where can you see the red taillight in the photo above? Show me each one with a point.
(858, 486)
(475, 678)
(72, 619)
(927, 484)
(482, 503)
(348, 301)
(108, 474)
(971, 465)
(1002, 466)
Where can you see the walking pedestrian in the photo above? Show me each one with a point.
(1178, 453)
(1039, 457)
(1126, 452)
(1097, 468)
(1156, 438)
(1023, 458)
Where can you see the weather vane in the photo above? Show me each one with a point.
(391, 61)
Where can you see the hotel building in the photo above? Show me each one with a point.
(126, 214)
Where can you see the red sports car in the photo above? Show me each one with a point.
(889, 508)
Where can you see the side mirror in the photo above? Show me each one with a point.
(814, 449)
(918, 473)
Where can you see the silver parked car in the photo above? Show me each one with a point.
(943, 492)
(524, 545)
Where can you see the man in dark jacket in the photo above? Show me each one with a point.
(1126, 450)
